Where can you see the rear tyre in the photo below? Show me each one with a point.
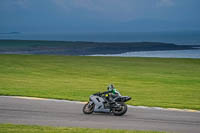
(88, 108)
(121, 110)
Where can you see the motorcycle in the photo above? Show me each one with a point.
(99, 103)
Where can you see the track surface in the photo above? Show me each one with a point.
(62, 113)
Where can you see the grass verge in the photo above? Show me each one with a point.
(9, 128)
(173, 83)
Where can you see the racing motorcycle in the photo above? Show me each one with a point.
(99, 103)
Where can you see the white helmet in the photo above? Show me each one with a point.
(110, 87)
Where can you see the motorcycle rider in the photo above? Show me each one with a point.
(114, 93)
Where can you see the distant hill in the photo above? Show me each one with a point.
(83, 48)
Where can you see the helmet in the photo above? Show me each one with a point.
(110, 87)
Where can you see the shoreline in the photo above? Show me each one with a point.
(78, 48)
(187, 54)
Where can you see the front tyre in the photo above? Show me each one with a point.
(88, 108)
(120, 110)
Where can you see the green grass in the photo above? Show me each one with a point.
(8, 128)
(173, 83)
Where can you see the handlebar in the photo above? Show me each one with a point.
(98, 94)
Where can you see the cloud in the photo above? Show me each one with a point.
(94, 5)
(165, 3)
(22, 3)
(116, 10)
(12, 4)
(81, 15)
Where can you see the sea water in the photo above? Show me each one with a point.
(161, 54)
(181, 38)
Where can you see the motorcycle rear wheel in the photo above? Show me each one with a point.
(120, 111)
(88, 109)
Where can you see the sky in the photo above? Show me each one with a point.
(99, 15)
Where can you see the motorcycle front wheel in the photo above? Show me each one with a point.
(88, 108)
(120, 110)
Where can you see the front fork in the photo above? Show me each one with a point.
(90, 103)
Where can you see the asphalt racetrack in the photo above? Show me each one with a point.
(64, 113)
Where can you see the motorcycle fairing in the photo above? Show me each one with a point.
(99, 104)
